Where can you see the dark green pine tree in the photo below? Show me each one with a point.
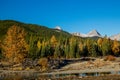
(106, 47)
(57, 51)
(33, 52)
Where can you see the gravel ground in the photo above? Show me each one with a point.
(97, 64)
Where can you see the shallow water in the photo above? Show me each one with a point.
(38, 76)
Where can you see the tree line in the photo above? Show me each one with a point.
(16, 46)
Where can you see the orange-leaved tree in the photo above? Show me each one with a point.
(14, 46)
(116, 47)
(53, 41)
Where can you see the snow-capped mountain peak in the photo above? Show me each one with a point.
(94, 33)
(117, 37)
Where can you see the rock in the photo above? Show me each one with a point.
(29, 63)
(17, 65)
(56, 63)
(17, 68)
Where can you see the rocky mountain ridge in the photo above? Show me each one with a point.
(116, 36)
(95, 33)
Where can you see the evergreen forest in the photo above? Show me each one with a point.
(19, 41)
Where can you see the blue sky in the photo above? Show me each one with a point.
(72, 15)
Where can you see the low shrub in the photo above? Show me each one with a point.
(43, 62)
(110, 58)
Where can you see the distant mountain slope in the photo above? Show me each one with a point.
(91, 34)
(117, 37)
(39, 30)
(94, 33)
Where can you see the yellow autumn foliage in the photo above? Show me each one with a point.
(14, 46)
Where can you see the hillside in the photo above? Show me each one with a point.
(39, 30)
(40, 48)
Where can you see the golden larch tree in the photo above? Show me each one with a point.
(99, 42)
(53, 41)
(14, 46)
(39, 44)
(116, 47)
